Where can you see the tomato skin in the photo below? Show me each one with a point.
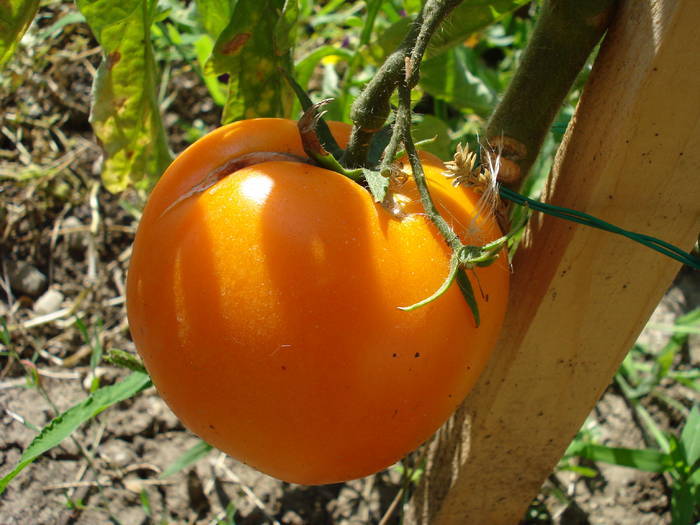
(265, 309)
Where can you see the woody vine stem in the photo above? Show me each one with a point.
(372, 108)
(370, 112)
(565, 34)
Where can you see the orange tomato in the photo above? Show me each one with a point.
(265, 308)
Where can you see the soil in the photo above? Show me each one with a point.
(55, 217)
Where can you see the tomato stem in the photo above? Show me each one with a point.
(311, 139)
(403, 126)
(564, 36)
(372, 108)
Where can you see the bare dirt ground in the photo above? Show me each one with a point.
(64, 247)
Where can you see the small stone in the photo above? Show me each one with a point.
(25, 278)
(74, 234)
(49, 302)
(117, 453)
(134, 485)
(90, 377)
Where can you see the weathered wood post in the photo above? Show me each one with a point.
(580, 296)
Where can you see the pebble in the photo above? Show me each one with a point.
(50, 301)
(25, 278)
(77, 240)
(117, 453)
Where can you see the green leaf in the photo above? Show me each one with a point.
(648, 460)
(682, 504)
(96, 344)
(125, 359)
(5, 333)
(377, 183)
(194, 454)
(465, 20)
(651, 426)
(203, 47)
(430, 127)
(681, 330)
(468, 18)
(73, 17)
(690, 436)
(15, 17)
(63, 425)
(455, 78)
(581, 471)
(125, 113)
(456, 272)
(305, 67)
(285, 28)
(252, 48)
(214, 15)
(145, 502)
(467, 290)
(378, 144)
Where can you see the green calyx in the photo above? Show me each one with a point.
(463, 258)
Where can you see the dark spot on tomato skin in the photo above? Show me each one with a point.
(396, 411)
(212, 427)
(394, 355)
(283, 367)
(416, 355)
(449, 395)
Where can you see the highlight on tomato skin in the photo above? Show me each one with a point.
(265, 308)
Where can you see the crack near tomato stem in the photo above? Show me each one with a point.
(230, 167)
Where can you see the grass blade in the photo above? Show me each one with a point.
(15, 17)
(190, 456)
(648, 460)
(63, 425)
(690, 437)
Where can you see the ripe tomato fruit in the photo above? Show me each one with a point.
(265, 308)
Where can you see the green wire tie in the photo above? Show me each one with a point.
(658, 245)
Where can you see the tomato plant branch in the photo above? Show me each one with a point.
(371, 109)
(457, 265)
(564, 36)
(403, 123)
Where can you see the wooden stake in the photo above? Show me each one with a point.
(580, 296)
